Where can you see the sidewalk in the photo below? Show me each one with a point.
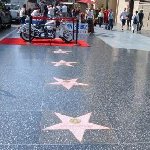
(145, 33)
(123, 39)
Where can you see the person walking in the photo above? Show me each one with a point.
(106, 12)
(123, 17)
(129, 18)
(135, 21)
(110, 19)
(141, 16)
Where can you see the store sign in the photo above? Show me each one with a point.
(83, 27)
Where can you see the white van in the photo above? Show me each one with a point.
(14, 10)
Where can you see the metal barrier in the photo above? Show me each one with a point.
(73, 20)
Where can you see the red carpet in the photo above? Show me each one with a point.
(43, 42)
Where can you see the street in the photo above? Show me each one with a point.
(75, 98)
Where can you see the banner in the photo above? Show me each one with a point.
(83, 27)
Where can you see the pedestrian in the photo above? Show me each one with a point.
(82, 16)
(141, 16)
(123, 17)
(64, 10)
(129, 18)
(23, 14)
(42, 4)
(106, 16)
(100, 17)
(135, 21)
(50, 11)
(90, 17)
(110, 19)
(45, 12)
(106, 12)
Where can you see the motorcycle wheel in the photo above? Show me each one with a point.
(25, 36)
(67, 36)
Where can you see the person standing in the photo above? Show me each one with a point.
(45, 12)
(123, 17)
(90, 17)
(23, 14)
(50, 11)
(100, 17)
(135, 19)
(64, 11)
(42, 5)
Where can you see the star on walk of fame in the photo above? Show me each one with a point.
(63, 63)
(77, 125)
(67, 83)
(60, 51)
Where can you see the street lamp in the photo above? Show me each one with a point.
(107, 4)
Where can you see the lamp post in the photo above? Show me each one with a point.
(107, 4)
(73, 3)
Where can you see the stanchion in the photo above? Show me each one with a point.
(73, 29)
(77, 30)
(30, 22)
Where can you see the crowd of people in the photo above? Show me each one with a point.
(134, 22)
(44, 10)
(91, 16)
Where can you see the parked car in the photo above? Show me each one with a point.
(14, 10)
(5, 16)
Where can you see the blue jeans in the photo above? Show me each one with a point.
(110, 24)
(22, 20)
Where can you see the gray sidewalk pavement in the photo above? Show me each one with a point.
(123, 39)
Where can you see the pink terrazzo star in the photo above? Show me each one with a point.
(68, 83)
(76, 125)
(60, 51)
(63, 63)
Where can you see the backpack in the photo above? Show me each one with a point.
(135, 20)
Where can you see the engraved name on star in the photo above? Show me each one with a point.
(68, 84)
(63, 63)
(77, 125)
(60, 51)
